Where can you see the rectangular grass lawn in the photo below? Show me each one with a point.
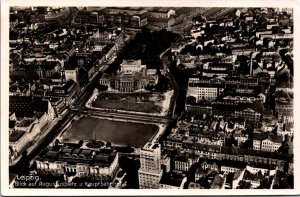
(116, 132)
(115, 101)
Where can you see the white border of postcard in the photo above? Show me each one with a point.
(5, 4)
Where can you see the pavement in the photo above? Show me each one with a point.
(125, 116)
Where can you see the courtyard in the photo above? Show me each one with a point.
(138, 102)
(116, 132)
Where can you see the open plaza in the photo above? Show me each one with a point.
(143, 103)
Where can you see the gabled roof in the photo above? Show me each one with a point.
(275, 138)
(260, 137)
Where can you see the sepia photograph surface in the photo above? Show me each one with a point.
(105, 97)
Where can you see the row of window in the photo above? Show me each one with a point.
(241, 98)
(207, 91)
(247, 113)
(268, 143)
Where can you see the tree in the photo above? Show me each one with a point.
(264, 184)
(283, 78)
(274, 131)
(56, 142)
(108, 144)
(248, 144)
(250, 131)
(80, 143)
(24, 163)
(11, 150)
(102, 87)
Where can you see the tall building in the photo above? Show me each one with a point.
(150, 172)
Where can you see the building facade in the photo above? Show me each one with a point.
(271, 144)
(150, 171)
(202, 91)
(78, 162)
(248, 114)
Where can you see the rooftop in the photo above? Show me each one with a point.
(259, 136)
(25, 106)
(16, 135)
(151, 146)
(12, 124)
(171, 178)
(252, 177)
(75, 156)
(275, 138)
(25, 122)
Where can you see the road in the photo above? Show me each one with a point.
(126, 116)
(166, 64)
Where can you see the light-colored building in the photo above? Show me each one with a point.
(132, 76)
(265, 170)
(244, 98)
(257, 140)
(189, 63)
(172, 180)
(209, 93)
(150, 171)
(24, 133)
(211, 165)
(248, 114)
(152, 76)
(130, 66)
(241, 138)
(161, 13)
(184, 162)
(203, 91)
(228, 166)
(79, 162)
(272, 143)
(72, 74)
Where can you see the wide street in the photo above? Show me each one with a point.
(126, 116)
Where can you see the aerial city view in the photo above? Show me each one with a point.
(151, 97)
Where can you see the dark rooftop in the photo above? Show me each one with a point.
(171, 178)
(75, 156)
(253, 177)
(26, 106)
(260, 137)
(16, 135)
(25, 122)
(12, 124)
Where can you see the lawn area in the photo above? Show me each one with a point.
(116, 132)
(129, 102)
